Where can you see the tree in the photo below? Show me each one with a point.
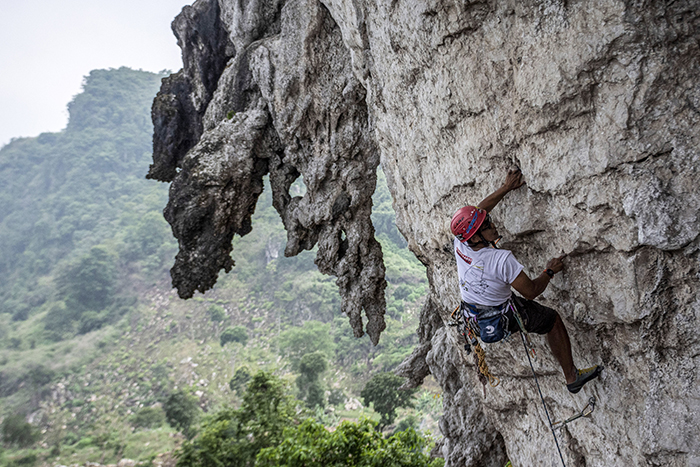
(147, 236)
(217, 313)
(181, 412)
(88, 284)
(235, 436)
(16, 431)
(90, 321)
(382, 390)
(234, 334)
(312, 365)
(240, 379)
(313, 336)
(351, 444)
(59, 321)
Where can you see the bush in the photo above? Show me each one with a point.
(240, 379)
(233, 437)
(39, 375)
(336, 397)
(20, 313)
(90, 321)
(181, 412)
(88, 284)
(85, 442)
(70, 438)
(148, 417)
(58, 322)
(313, 336)
(351, 444)
(410, 421)
(402, 292)
(24, 461)
(234, 334)
(17, 432)
(217, 313)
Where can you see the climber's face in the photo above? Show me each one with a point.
(489, 230)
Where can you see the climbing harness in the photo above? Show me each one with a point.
(491, 323)
(471, 342)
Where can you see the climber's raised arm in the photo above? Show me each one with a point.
(514, 180)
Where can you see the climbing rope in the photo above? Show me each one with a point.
(530, 346)
(470, 338)
(481, 361)
(556, 441)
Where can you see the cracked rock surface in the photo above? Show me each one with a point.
(597, 101)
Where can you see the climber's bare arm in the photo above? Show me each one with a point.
(514, 180)
(531, 289)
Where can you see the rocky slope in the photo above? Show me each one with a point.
(597, 102)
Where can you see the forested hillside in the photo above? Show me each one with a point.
(95, 347)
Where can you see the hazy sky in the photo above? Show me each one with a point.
(48, 46)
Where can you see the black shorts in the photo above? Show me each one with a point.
(537, 318)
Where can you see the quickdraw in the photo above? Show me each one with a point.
(587, 410)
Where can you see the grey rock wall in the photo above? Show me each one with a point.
(597, 101)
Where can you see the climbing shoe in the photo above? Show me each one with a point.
(584, 376)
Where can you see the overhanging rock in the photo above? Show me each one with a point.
(286, 103)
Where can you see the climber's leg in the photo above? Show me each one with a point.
(559, 343)
(540, 319)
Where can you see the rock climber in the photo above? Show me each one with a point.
(487, 273)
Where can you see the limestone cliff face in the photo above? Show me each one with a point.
(598, 102)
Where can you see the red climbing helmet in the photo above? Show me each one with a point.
(466, 222)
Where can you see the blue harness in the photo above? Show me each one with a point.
(491, 321)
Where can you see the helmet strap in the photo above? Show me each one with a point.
(485, 242)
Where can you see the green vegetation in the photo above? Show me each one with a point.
(17, 432)
(311, 367)
(240, 379)
(382, 391)
(64, 193)
(181, 412)
(217, 313)
(350, 444)
(235, 334)
(312, 336)
(111, 364)
(265, 432)
(235, 436)
(149, 418)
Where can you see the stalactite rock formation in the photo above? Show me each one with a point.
(286, 103)
(596, 101)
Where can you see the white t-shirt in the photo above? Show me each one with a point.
(485, 275)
